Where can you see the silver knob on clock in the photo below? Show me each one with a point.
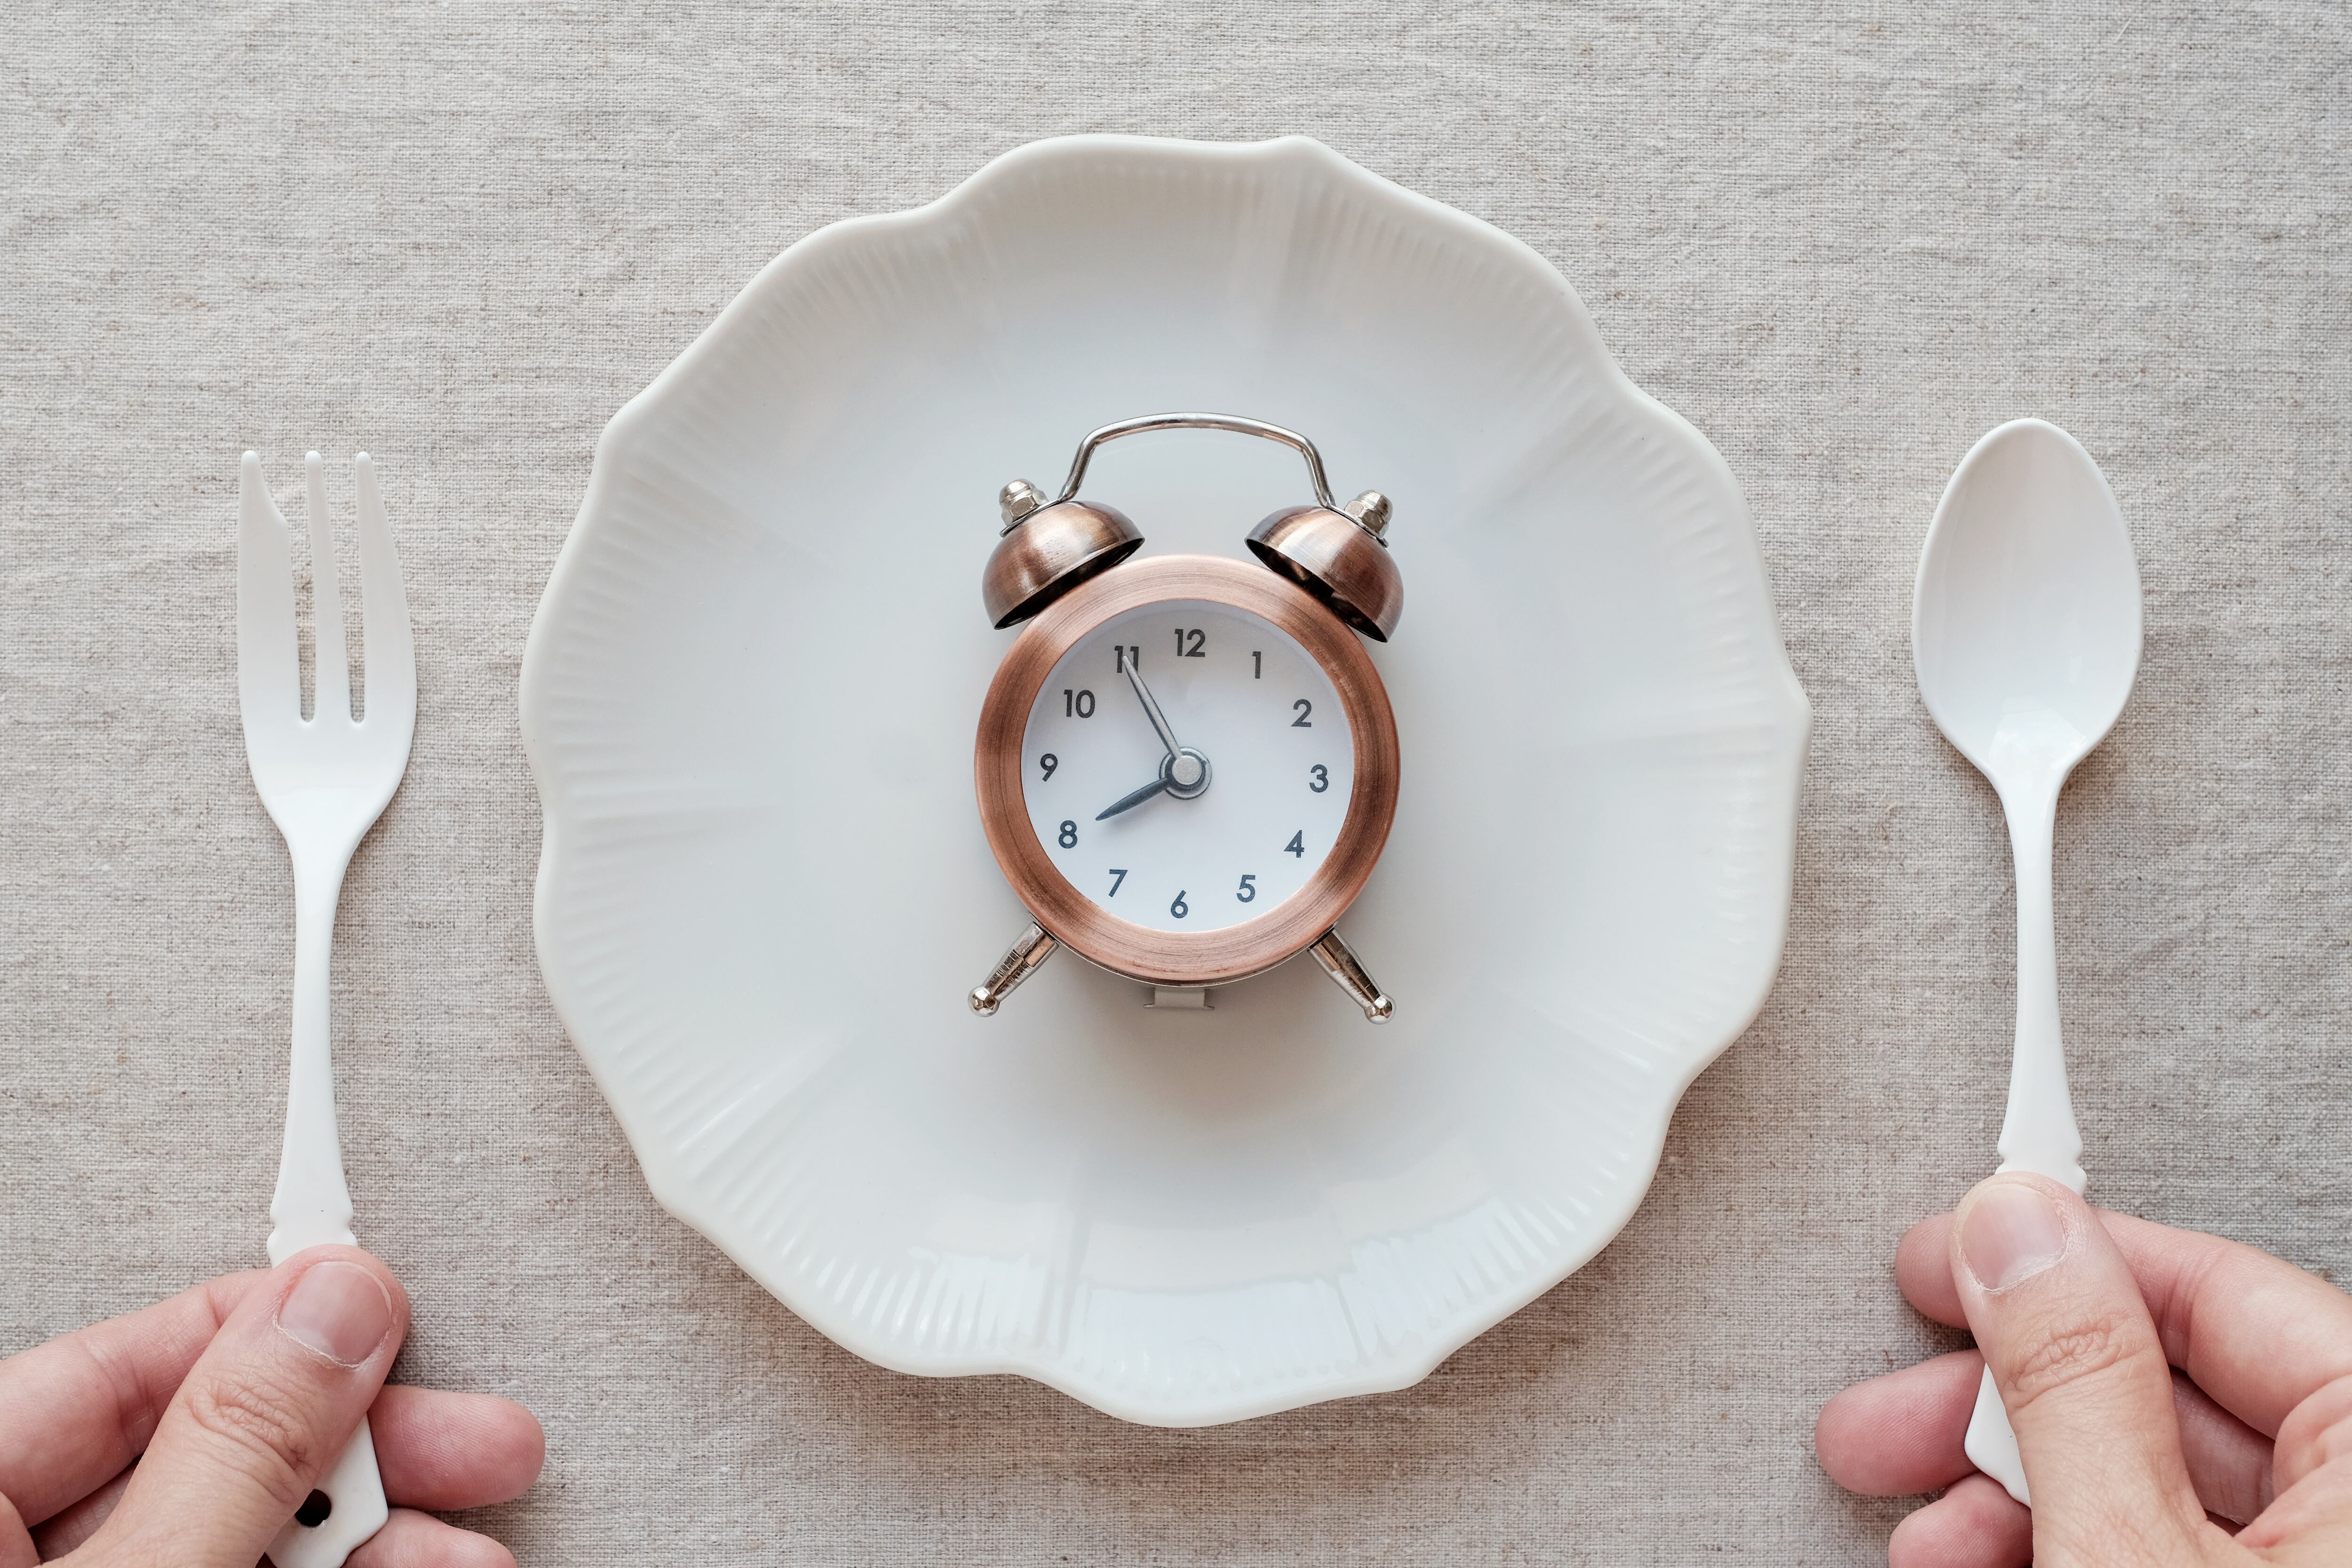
(1017, 500)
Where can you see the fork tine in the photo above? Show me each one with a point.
(268, 658)
(391, 646)
(331, 677)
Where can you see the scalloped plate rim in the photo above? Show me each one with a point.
(675, 1195)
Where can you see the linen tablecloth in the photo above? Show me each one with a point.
(1843, 240)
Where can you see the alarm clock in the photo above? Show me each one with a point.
(1187, 766)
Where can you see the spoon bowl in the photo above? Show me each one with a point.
(2025, 625)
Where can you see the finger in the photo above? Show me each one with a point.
(2228, 1461)
(16, 1548)
(263, 1412)
(447, 1451)
(2257, 1333)
(2060, 1323)
(1977, 1524)
(1923, 1272)
(435, 1450)
(2311, 1521)
(1900, 1434)
(2319, 1433)
(76, 1411)
(70, 1526)
(412, 1540)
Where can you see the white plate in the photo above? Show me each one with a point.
(749, 701)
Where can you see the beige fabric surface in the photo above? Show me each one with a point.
(1843, 241)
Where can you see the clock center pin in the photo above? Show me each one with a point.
(1188, 774)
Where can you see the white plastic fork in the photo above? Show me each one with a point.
(324, 780)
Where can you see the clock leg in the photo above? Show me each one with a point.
(1030, 949)
(1339, 962)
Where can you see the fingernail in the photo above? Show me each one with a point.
(337, 1310)
(2011, 1233)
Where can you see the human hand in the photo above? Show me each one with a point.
(2083, 1316)
(231, 1400)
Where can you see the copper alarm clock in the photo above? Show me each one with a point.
(1187, 764)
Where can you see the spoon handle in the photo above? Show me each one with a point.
(2038, 1133)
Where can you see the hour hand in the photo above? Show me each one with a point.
(1133, 798)
(1183, 774)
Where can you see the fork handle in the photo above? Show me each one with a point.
(312, 1207)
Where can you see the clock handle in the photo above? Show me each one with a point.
(1231, 422)
(1030, 949)
(1340, 963)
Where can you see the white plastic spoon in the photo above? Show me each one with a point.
(2025, 634)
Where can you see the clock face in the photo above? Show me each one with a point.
(1238, 817)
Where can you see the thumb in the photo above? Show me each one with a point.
(263, 1412)
(2060, 1319)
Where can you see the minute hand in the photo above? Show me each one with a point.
(1151, 707)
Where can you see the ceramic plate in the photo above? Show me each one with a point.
(750, 697)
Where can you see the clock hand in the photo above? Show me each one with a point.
(1151, 708)
(1182, 774)
(1133, 798)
